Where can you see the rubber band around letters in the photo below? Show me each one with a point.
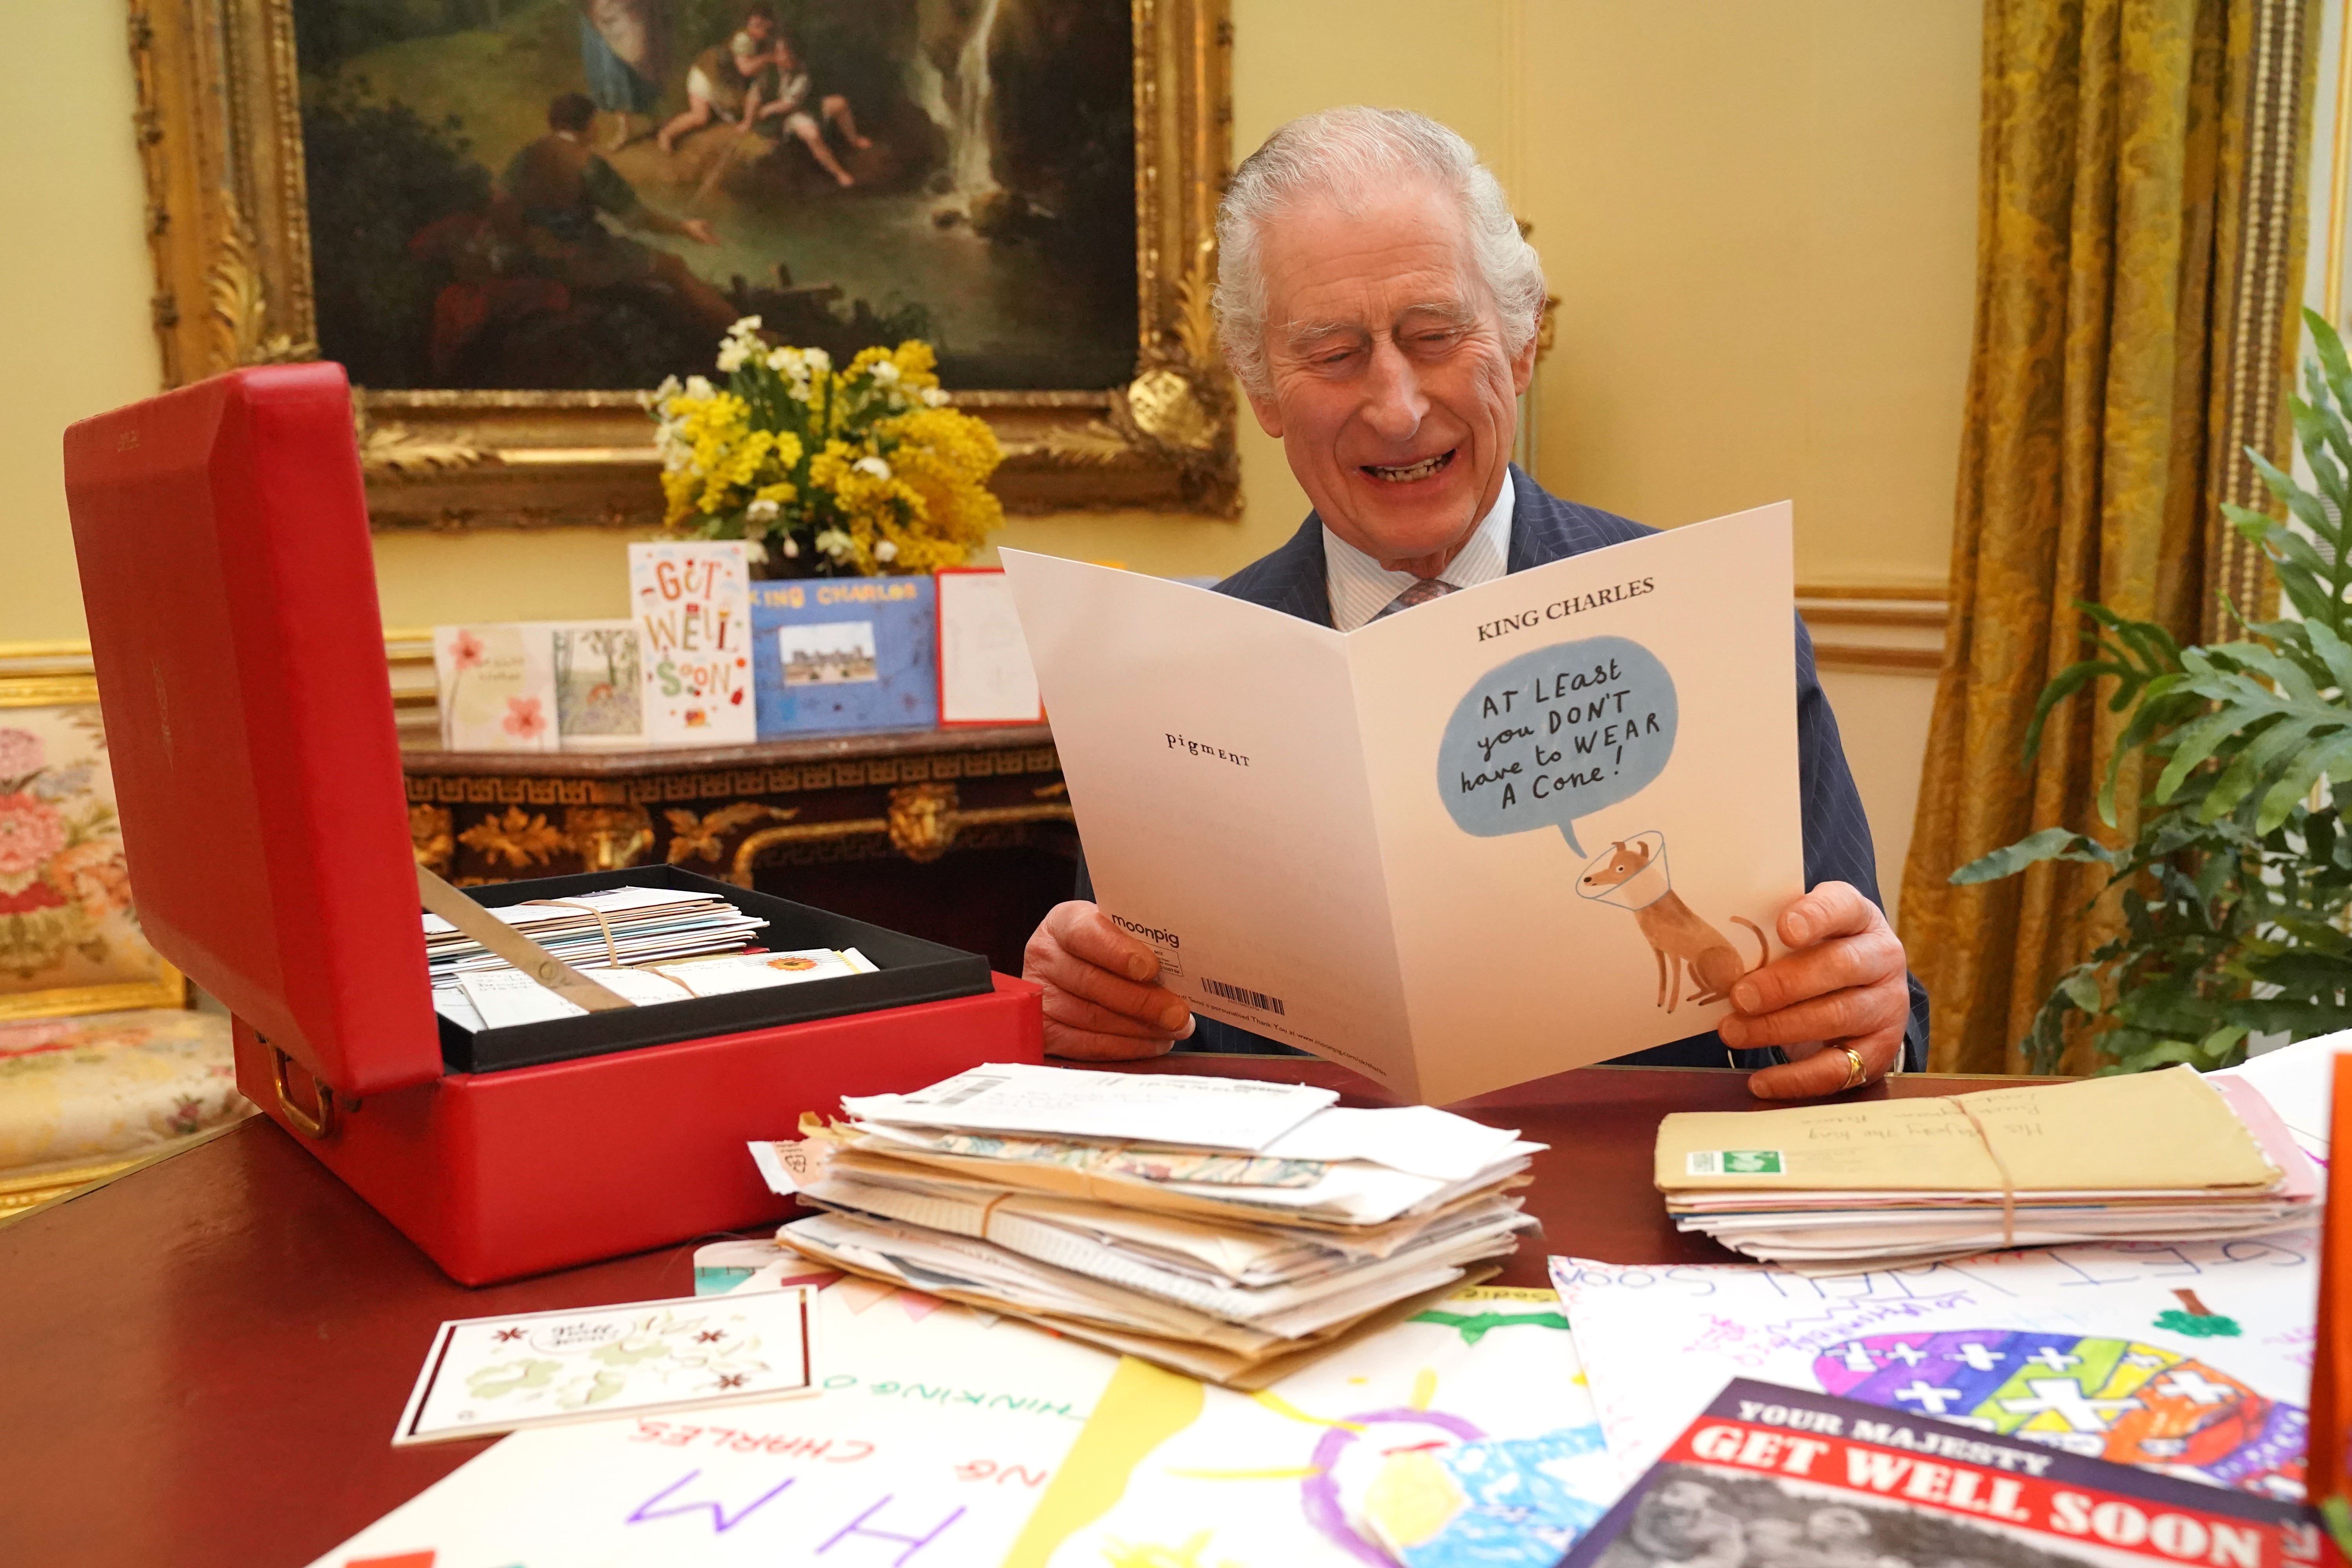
(611, 949)
(2008, 1183)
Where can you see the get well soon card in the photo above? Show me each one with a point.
(1527, 825)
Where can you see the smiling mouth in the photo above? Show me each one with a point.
(1406, 473)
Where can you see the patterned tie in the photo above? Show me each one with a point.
(1423, 589)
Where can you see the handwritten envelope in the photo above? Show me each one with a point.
(534, 1369)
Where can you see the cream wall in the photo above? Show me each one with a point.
(74, 283)
(1762, 222)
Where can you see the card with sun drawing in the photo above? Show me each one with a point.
(532, 1369)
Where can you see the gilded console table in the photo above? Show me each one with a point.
(963, 835)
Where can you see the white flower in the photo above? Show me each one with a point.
(874, 465)
(791, 547)
(698, 386)
(744, 326)
(835, 544)
(761, 510)
(884, 372)
(933, 397)
(732, 355)
(754, 550)
(786, 361)
(819, 361)
(886, 550)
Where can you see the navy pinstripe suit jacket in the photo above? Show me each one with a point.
(1544, 529)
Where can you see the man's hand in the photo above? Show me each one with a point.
(1841, 983)
(699, 229)
(1100, 1004)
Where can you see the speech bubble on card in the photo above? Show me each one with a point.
(1555, 734)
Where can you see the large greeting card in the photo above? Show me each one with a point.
(693, 622)
(1527, 825)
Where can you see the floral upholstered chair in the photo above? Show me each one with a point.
(102, 1062)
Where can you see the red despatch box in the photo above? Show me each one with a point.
(230, 584)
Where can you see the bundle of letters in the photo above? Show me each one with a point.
(649, 944)
(1836, 1188)
(1230, 1230)
(616, 926)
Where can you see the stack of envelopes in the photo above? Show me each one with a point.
(1840, 1188)
(618, 925)
(1230, 1230)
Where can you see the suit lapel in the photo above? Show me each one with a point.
(1294, 579)
(1544, 528)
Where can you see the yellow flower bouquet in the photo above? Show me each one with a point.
(826, 473)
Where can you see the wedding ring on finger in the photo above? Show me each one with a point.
(1857, 1071)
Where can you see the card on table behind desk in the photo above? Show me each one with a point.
(693, 609)
(496, 686)
(845, 654)
(1527, 825)
(494, 1374)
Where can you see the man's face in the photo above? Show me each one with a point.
(1682, 1501)
(759, 27)
(1393, 394)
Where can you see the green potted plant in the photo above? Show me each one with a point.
(2234, 892)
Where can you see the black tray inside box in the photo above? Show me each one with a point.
(911, 971)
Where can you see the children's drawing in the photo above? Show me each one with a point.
(1633, 875)
(1557, 733)
(2119, 1399)
(1462, 1436)
(2118, 1350)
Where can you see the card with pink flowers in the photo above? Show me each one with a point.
(497, 688)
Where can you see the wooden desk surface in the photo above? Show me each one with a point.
(201, 1362)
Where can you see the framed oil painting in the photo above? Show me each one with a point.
(507, 218)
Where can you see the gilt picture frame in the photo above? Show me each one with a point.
(221, 134)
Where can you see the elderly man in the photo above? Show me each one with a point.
(1380, 309)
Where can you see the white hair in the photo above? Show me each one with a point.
(1344, 155)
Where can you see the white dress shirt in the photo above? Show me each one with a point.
(1362, 588)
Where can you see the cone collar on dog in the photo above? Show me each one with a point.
(1638, 892)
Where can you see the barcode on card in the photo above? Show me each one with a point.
(1243, 994)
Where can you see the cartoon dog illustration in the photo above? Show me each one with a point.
(1677, 935)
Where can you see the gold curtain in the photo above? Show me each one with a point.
(2138, 246)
